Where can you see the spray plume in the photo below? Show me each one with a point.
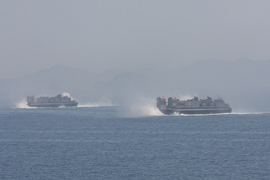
(143, 107)
(23, 105)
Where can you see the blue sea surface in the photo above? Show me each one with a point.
(103, 143)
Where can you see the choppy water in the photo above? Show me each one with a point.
(103, 143)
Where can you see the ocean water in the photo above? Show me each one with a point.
(106, 143)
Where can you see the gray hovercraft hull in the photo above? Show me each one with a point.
(56, 101)
(52, 104)
(192, 106)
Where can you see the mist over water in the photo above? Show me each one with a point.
(124, 89)
(143, 107)
(141, 57)
(101, 103)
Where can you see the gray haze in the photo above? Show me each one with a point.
(122, 50)
(99, 35)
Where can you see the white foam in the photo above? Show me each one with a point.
(23, 104)
(246, 113)
(219, 114)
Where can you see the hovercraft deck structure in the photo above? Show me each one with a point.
(56, 101)
(193, 106)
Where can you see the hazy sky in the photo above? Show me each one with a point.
(99, 35)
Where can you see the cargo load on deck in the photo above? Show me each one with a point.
(57, 101)
(193, 106)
